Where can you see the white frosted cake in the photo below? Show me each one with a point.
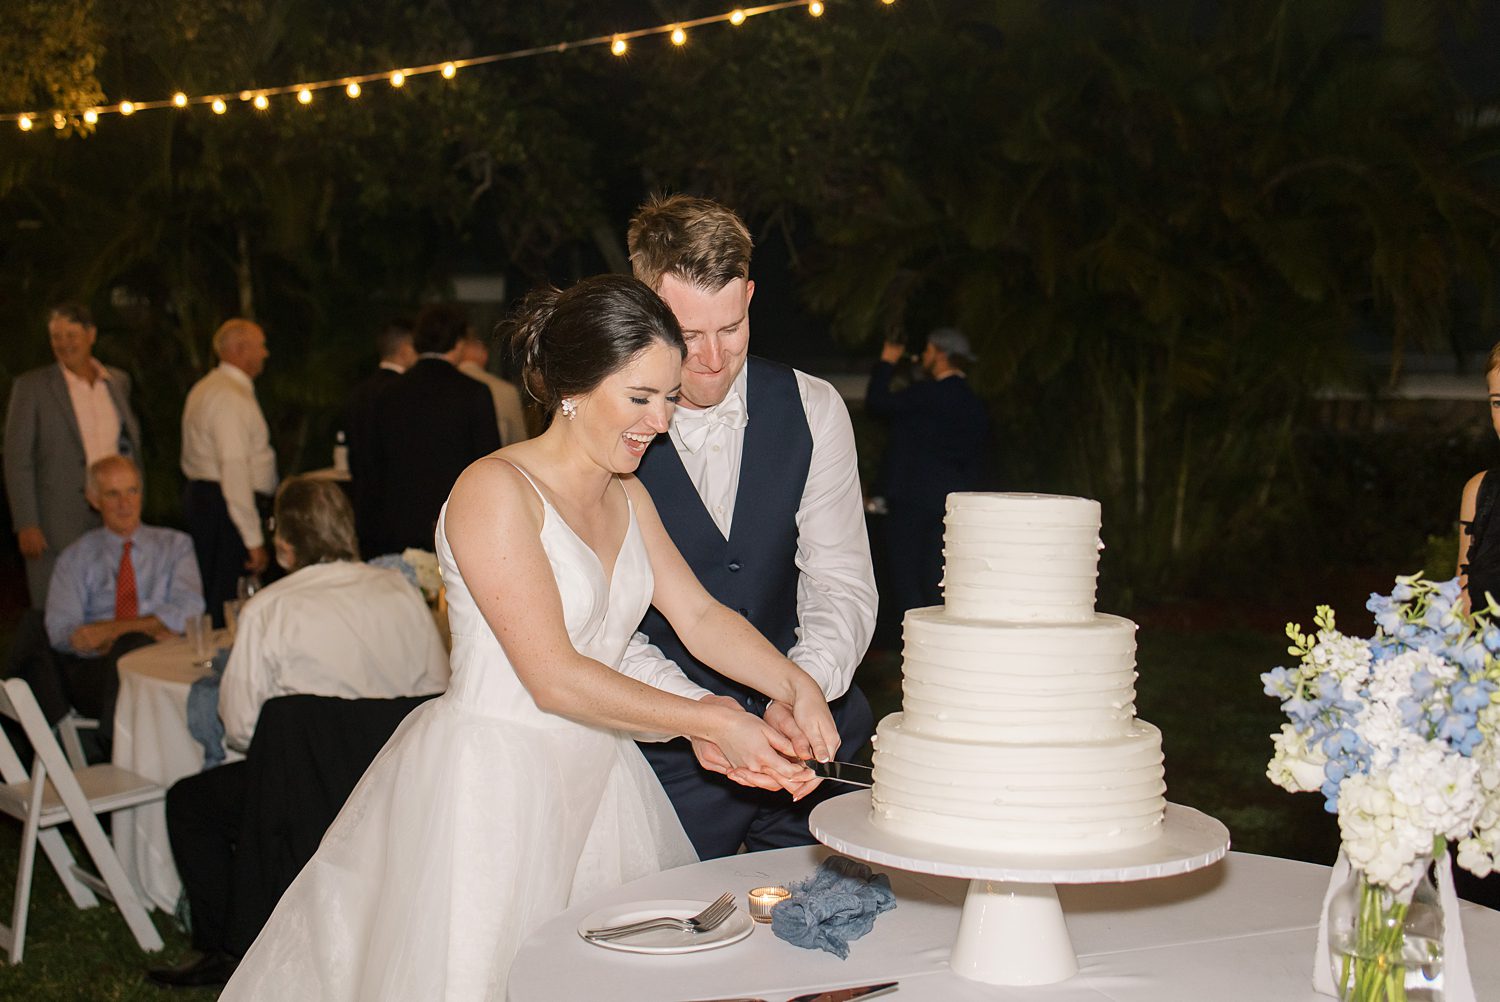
(1017, 730)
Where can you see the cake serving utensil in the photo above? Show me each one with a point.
(843, 772)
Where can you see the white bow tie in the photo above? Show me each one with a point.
(693, 426)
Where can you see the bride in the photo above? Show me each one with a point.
(519, 792)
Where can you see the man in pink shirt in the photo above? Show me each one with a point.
(62, 418)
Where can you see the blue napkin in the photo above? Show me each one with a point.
(836, 904)
(203, 711)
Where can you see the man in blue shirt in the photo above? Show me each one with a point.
(116, 588)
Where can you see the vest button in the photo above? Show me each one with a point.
(734, 565)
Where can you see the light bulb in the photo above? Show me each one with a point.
(736, 17)
(678, 36)
(304, 96)
(353, 89)
(815, 8)
(398, 79)
(59, 120)
(449, 70)
(127, 108)
(262, 102)
(618, 46)
(219, 106)
(246, 95)
(24, 122)
(180, 99)
(91, 116)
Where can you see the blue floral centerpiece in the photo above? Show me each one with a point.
(1398, 733)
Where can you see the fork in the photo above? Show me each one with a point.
(709, 918)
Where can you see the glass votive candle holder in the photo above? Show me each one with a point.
(763, 899)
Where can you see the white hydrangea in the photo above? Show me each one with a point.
(1346, 659)
(1295, 767)
(425, 565)
(1378, 833)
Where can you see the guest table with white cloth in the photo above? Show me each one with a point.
(1242, 930)
(152, 739)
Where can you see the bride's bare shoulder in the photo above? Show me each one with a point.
(492, 488)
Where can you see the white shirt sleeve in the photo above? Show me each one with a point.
(645, 662)
(233, 429)
(247, 684)
(836, 598)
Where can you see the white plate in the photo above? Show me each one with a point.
(734, 929)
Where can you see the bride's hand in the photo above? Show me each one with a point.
(758, 754)
(710, 755)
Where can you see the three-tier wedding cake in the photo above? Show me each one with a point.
(1017, 730)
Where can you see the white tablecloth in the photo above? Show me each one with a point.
(152, 739)
(1242, 930)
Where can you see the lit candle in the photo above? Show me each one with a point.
(763, 899)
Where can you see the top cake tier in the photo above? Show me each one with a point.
(1020, 558)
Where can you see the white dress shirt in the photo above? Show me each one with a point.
(836, 597)
(337, 629)
(225, 439)
(98, 421)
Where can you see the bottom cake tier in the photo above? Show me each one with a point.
(1078, 797)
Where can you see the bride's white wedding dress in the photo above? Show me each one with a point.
(481, 818)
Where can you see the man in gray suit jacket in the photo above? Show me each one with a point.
(61, 419)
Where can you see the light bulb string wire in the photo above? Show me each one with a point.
(250, 93)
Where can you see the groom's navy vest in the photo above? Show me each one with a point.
(754, 571)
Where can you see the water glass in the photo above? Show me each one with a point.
(232, 609)
(246, 586)
(199, 630)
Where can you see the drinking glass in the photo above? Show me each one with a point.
(200, 631)
(232, 614)
(246, 586)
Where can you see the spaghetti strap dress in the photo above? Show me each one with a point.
(482, 817)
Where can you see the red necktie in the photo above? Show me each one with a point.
(125, 600)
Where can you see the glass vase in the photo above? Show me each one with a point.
(1385, 946)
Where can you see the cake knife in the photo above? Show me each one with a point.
(842, 772)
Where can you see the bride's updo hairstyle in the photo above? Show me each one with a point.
(569, 341)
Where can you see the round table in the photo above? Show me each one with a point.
(152, 739)
(1242, 930)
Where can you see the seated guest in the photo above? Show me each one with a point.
(332, 627)
(116, 588)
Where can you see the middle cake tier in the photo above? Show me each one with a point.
(967, 680)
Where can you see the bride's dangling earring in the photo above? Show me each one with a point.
(569, 408)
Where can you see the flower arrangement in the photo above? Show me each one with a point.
(420, 567)
(1398, 733)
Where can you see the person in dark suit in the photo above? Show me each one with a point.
(757, 483)
(430, 424)
(939, 433)
(62, 418)
(397, 353)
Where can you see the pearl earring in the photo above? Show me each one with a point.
(569, 408)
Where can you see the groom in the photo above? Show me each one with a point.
(759, 488)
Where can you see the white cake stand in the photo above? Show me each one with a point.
(1012, 930)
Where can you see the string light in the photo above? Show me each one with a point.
(617, 43)
(59, 120)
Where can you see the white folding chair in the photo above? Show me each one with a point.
(56, 793)
(67, 732)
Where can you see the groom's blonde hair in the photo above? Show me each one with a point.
(696, 239)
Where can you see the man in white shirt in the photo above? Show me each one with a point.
(229, 465)
(61, 420)
(758, 485)
(474, 360)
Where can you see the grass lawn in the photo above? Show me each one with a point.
(1200, 687)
